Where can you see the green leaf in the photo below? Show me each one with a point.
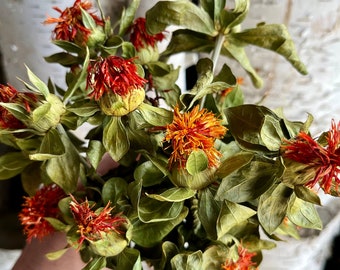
(208, 211)
(271, 133)
(84, 108)
(192, 261)
(129, 259)
(213, 8)
(249, 182)
(274, 37)
(237, 51)
(151, 210)
(169, 250)
(64, 170)
(62, 58)
(197, 162)
(149, 174)
(41, 87)
(234, 163)
(233, 17)
(88, 20)
(51, 146)
(12, 163)
(232, 214)
(184, 40)
(307, 194)
(273, 207)
(115, 190)
(57, 224)
(246, 123)
(150, 234)
(68, 46)
(18, 111)
(154, 115)
(166, 13)
(115, 138)
(78, 80)
(97, 263)
(173, 195)
(31, 178)
(56, 254)
(304, 214)
(128, 16)
(95, 152)
(110, 244)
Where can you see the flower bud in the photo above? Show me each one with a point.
(118, 105)
(48, 114)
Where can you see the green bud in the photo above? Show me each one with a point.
(147, 54)
(116, 105)
(48, 114)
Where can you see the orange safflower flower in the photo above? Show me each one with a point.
(8, 94)
(69, 23)
(324, 160)
(91, 224)
(34, 209)
(113, 74)
(197, 129)
(140, 38)
(244, 261)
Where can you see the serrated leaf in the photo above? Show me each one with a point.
(166, 13)
(115, 138)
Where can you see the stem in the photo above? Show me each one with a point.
(215, 55)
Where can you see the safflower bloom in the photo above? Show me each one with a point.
(244, 261)
(69, 24)
(325, 161)
(34, 209)
(140, 38)
(113, 74)
(91, 224)
(194, 130)
(8, 94)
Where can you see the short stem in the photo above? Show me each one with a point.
(215, 55)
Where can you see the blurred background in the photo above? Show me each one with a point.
(315, 28)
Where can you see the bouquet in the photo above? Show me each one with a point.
(175, 178)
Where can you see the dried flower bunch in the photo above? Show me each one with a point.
(196, 173)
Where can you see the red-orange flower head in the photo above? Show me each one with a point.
(70, 26)
(116, 83)
(324, 160)
(194, 130)
(34, 209)
(140, 38)
(8, 94)
(244, 261)
(91, 224)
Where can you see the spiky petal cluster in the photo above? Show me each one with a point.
(140, 38)
(35, 209)
(244, 261)
(8, 94)
(194, 130)
(325, 161)
(70, 24)
(113, 74)
(91, 224)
